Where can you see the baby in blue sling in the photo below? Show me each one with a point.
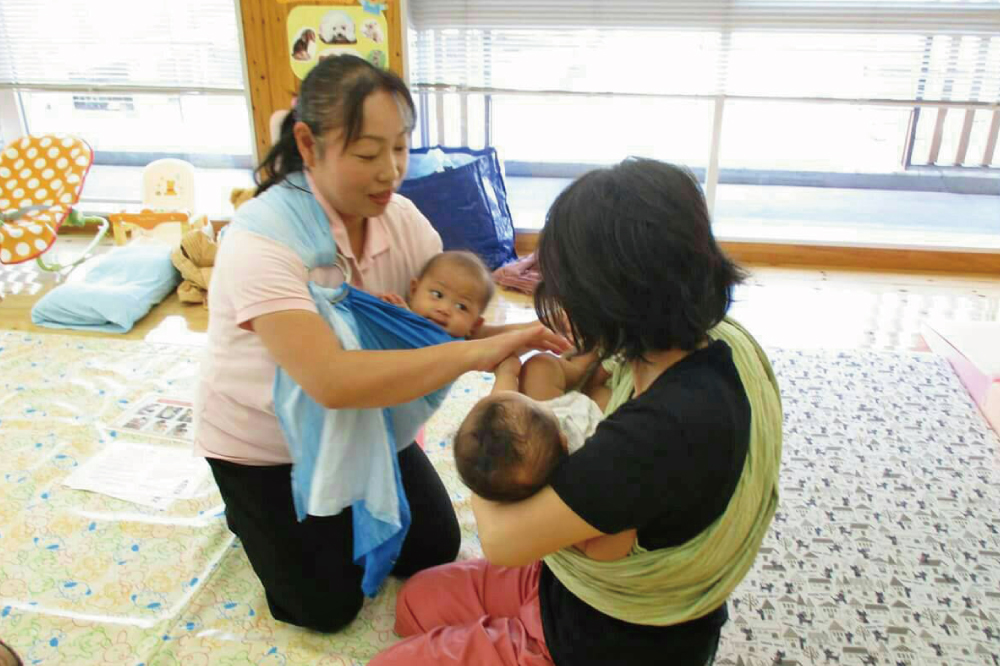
(453, 290)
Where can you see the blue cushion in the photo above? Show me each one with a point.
(114, 294)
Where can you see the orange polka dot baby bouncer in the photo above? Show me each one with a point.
(41, 178)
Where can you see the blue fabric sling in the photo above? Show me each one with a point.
(345, 457)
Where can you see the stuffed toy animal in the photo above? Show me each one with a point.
(195, 256)
(241, 195)
(194, 259)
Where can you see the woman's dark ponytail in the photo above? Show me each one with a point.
(282, 159)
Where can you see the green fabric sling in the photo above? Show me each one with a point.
(674, 585)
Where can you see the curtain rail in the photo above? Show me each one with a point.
(117, 89)
(474, 90)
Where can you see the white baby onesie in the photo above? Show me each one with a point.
(578, 417)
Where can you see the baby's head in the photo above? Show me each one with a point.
(507, 447)
(453, 291)
(8, 657)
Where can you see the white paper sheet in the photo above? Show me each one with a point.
(146, 474)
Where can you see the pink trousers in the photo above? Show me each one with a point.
(469, 613)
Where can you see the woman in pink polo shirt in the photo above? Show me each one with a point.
(349, 134)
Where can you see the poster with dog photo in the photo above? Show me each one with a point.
(158, 416)
(316, 32)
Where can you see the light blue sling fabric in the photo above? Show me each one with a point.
(345, 457)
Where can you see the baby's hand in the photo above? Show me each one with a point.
(509, 367)
(394, 299)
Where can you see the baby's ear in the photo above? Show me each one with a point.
(413, 286)
(475, 327)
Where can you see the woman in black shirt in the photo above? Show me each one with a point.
(630, 267)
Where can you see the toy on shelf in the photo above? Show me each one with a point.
(167, 196)
(41, 178)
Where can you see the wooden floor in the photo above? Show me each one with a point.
(784, 307)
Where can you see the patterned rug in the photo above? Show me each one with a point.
(885, 549)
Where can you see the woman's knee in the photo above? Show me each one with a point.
(325, 613)
(420, 589)
(342, 612)
(406, 624)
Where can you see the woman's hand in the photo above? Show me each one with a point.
(489, 352)
(550, 340)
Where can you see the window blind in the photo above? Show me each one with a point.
(188, 45)
(855, 50)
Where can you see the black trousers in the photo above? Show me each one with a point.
(307, 568)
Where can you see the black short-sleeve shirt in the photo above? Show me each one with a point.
(665, 463)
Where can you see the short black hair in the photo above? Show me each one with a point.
(506, 456)
(471, 264)
(628, 254)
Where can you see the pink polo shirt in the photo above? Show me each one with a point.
(254, 276)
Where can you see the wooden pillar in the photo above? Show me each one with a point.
(271, 80)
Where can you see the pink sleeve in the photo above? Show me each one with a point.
(260, 276)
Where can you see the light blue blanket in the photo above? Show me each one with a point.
(345, 457)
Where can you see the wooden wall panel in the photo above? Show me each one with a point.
(271, 80)
(254, 31)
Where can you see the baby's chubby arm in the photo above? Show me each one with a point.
(507, 375)
(608, 547)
